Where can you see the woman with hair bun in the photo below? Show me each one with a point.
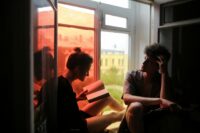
(70, 118)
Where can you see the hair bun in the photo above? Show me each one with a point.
(77, 49)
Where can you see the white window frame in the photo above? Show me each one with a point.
(109, 27)
(134, 56)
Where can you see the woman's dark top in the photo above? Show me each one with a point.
(69, 118)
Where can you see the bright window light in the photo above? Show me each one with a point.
(114, 41)
(74, 8)
(115, 21)
(43, 9)
(119, 3)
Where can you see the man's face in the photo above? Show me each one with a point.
(150, 65)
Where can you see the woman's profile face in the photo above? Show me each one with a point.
(83, 72)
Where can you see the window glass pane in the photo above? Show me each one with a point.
(72, 15)
(115, 21)
(77, 30)
(114, 52)
(43, 63)
(45, 38)
(45, 16)
(45, 28)
(68, 39)
(120, 3)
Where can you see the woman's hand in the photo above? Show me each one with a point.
(82, 95)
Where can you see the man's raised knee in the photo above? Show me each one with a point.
(135, 107)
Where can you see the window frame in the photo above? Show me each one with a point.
(109, 27)
(134, 56)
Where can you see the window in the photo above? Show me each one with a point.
(113, 61)
(106, 62)
(45, 28)
(44, 63)
(115, 21)
(43, 42)
(119, 3)
(114, 47)
(75, 16)
(122, 62)
(75, 29)
(123, 34)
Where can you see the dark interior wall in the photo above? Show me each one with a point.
(165, 38)
(186, 70)
(16, 77)
(183, 42)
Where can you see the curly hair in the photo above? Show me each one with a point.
(155, 50)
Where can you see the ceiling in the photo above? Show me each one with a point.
(163, 1)
(156, 1)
